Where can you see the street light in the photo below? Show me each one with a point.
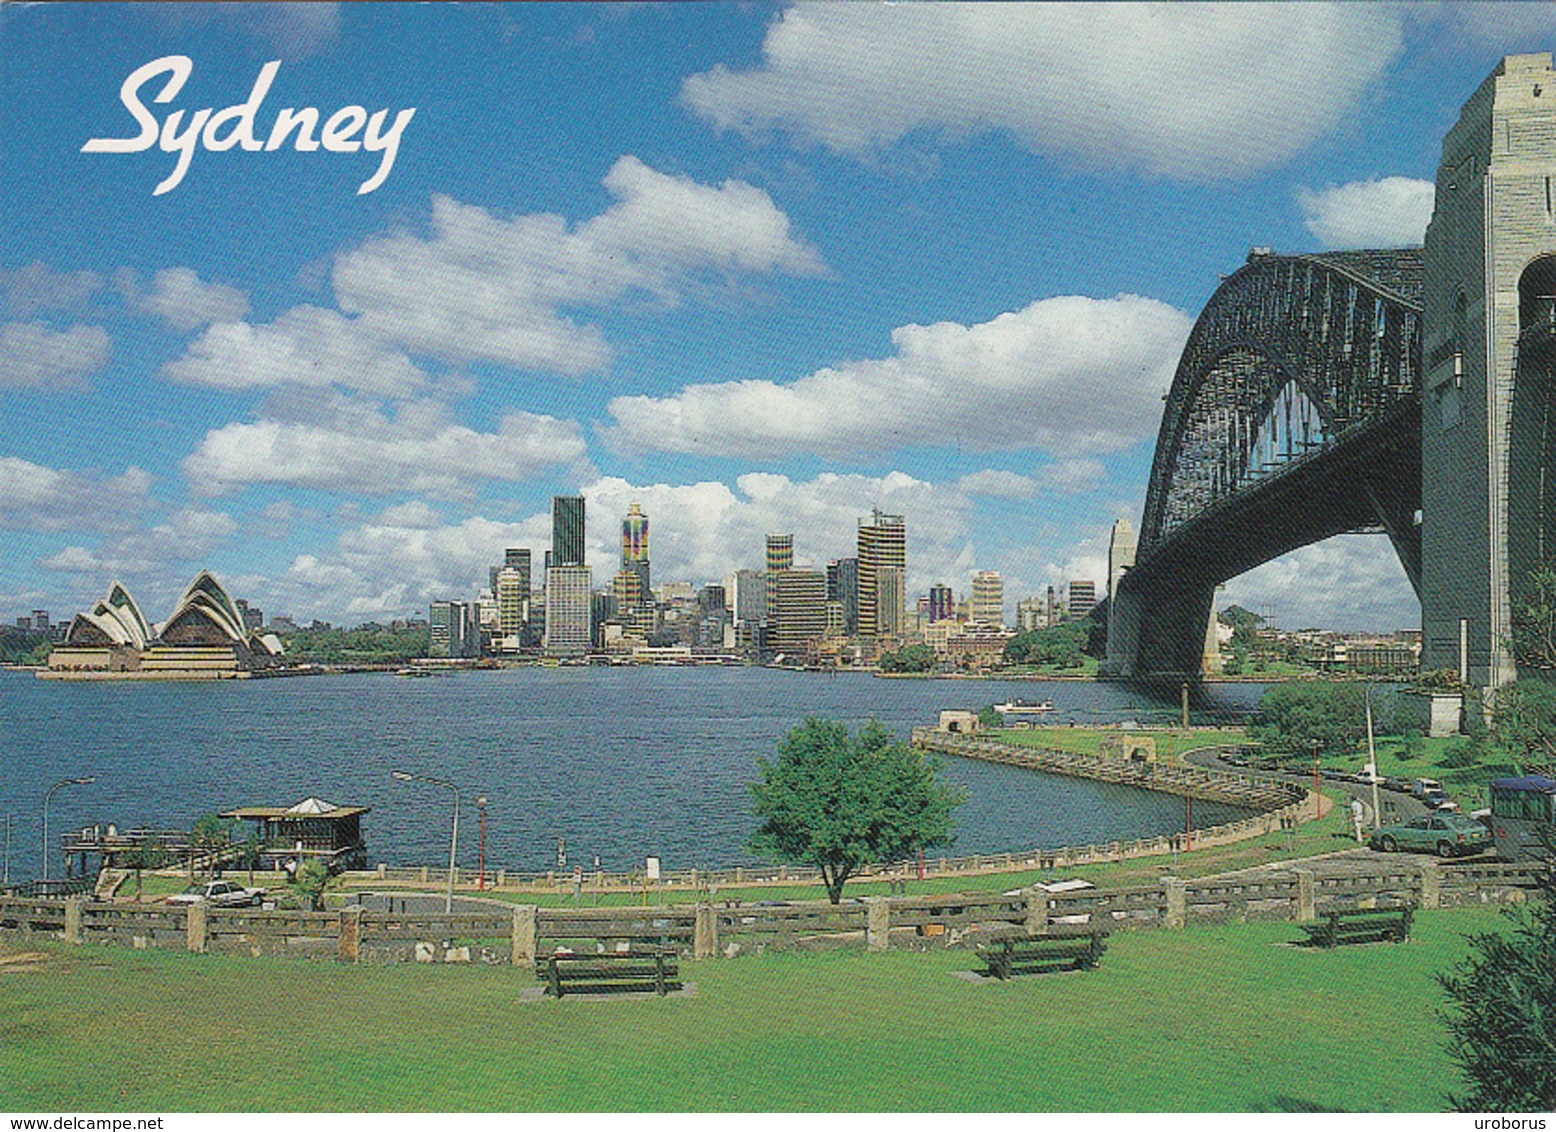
(453, 841)
(481, 807)
(46, 798)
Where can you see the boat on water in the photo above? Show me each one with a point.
(412, 672)
(1020, 708)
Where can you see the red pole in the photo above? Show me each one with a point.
(1318, 805)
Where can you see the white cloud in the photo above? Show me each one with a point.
(33, 356)
(306, 347)
(187, 535)
(1346, 582)
(39, 287)
(1068, 374)
(178, 295)
(417, 451)
(34, 497)
(1198, 91)
(998, 484)
(483, 287)
(1391, 212)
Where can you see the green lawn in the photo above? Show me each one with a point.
(1220, 1019)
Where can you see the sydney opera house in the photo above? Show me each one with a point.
(203, 639)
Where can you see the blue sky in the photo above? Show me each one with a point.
(757, 268)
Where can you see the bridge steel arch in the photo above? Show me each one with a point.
(1294, 415)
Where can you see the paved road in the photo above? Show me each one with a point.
(1395, 806)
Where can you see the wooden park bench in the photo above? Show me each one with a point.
(1020, 954)
(609, 972)
(1360, 925)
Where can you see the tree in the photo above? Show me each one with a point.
(1290, 717)
(312, 878)
(209, 836)
(1523, 722)
(1502, 1011)
(838, 801)
(914, 658)
(1059, 646)
(1534, 620)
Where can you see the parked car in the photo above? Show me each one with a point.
(1397, 784)
(219, 894)
(1446, 834)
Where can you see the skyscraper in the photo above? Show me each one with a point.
(801, 600)
(1083, 595)
(567, 530)
(634, 548)
(843, 588)
(988, 598)
(882, 567)
(941, 602)
(512, 601)
(780, 557)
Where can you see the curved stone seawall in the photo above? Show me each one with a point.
(1280, 803)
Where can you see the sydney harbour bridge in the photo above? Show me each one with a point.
(1406, 391)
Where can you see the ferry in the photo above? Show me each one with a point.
(1020, 708)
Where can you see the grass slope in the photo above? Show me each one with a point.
(1220, 1019)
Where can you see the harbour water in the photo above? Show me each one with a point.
(618, 763)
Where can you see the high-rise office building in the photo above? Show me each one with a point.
(568, 611)
(455, 629)
(745, 592)
(988, 599)
(634, 548)
(780, 557)
(1031, 615)
(942, 603)
(512, 602)
(843, 588)
(882, 570)
(801, 614)
(1083, 596)
(517, 558)
(567, 530)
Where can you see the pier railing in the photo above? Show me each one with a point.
(518, 934)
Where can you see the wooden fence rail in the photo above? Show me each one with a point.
(708, 928)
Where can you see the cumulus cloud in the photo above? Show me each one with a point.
(1391, 212)
(38, 498)
(307, 346)
(38, 287)
(1350, 581)
(1066, 374)
(32, 356)
(187, 535)
(1198, 91)
(416, 451)
(180, 296)
(482, 287)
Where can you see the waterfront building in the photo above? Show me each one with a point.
(780, 557)
(882, 541)
(801, 610)
(602, 610)
(843, 587)
(1031, 615)
(569, 610)
(567, 531)
(454, 629)
(988, 599)
(942, 603)
(1082, 598)
(627, 588)
(634, 548)
(513, 600)
(203, 638)
(746, 593)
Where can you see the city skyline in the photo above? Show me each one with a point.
(702, 287)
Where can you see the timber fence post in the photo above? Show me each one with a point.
(524, 932)
(877, 932)
(195, 930)
(348, 947)
(1176, 913)
(1431, 884)
(72, 919)
(705, 936)
(1306, 905)
(1037, 911)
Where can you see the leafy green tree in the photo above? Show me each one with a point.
(1244, 625)
(309, 885)
(914, 658)
(209, 835)
(1059, 646)
(1523, 722)
(838, 801)
(1502, 1012)
(1534, 620)
(988, 717)
(1290, 717)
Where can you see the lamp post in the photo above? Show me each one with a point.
(453, 840)
(46, 799)
(481, 808)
